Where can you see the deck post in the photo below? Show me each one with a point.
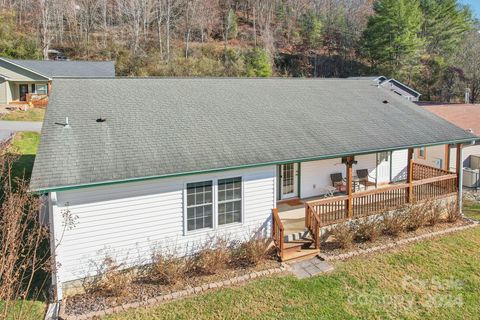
(409, 193)
(349, 164)
(459, 171)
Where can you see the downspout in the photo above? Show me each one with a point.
(460, 178)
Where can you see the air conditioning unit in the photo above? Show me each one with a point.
(471, 178)
(475, 161)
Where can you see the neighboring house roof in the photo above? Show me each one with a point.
(466, 116)
(382, 80)
(53, 69)
(402, 86)
(164, 127)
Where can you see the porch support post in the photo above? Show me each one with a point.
(447, 157)
(49, 87)
(410, 175)
(349, 164)
(459, 170)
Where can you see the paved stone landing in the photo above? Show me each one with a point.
(311, 267)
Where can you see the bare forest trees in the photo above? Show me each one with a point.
(324, 38)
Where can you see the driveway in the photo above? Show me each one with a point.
(13, 126)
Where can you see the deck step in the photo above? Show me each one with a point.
(296, 236)
(300, 255)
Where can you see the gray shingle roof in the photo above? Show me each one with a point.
(51, 69)
(158, 127)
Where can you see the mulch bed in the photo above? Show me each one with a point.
(141, 290)
(329, 248)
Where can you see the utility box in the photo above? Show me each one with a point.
(471, 178)
(475, 161)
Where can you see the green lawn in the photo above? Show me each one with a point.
(472, 210)
(24, 310)
(32, 114)
(436, 279)
(25, 145)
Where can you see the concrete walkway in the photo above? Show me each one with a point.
(21, 126)
(308, 268)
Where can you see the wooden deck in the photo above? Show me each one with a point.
(425, 183)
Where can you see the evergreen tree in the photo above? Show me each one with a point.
(310, 30)
(391, 39)
(257, 63)
(444, 24)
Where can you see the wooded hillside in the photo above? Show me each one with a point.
(432, 45)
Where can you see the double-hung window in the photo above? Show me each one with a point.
(199, 205)
(229, 200)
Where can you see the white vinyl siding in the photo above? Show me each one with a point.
(128, 221)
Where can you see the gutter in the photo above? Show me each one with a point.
(179, 174)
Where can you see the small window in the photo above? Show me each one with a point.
(229, 201)
(422, 153)
(199, 205)
(41, 89)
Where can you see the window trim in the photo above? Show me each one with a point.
(215, 226)
(424, 157)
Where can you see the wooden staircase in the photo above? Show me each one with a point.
(299, 249)
(288, 250)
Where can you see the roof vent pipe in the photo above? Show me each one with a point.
(67, 125)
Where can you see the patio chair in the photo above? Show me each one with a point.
(337, 182)
(363, 176)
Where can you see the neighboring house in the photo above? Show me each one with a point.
(205, 157)
(23, 81)
(399, 88)
(466, 116)
(395, 86)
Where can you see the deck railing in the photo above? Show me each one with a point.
(277, 232)
(334, 210)
(38, 100)
(422, 171)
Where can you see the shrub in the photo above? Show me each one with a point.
(453, 214)
(416, 215)
(434, 215)
(393, 224)
(343, 235)
(367, 230)
(212, 257)
(167, 269)
(113, 282)
(251, 252)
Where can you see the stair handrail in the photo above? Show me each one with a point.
(312, 223)
(278, 232)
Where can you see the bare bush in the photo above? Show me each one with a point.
(393, 224)
(212, 257)
(453, 214)
(416, 215)
(250, 253)
(113, 282)
(24, 250)
(343, 235)
(435, 213)
(167, 269)
(367, 230)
